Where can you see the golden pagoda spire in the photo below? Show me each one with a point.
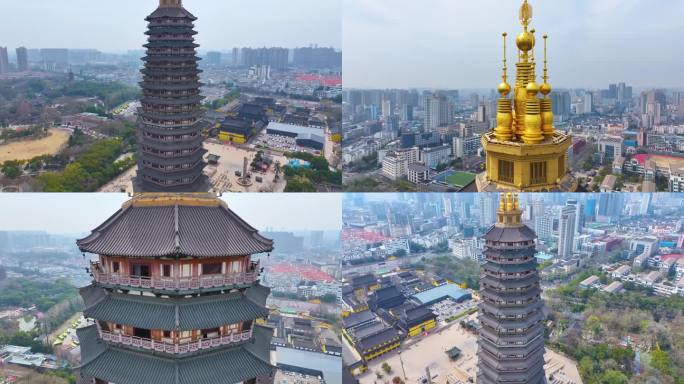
(504, 115)
(546, 106)
(509, 213)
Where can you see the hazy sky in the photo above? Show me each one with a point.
(75, 213)
(119, 25)
(457, 43)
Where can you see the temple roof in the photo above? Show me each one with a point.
(175, 313)
(226, 365)
(510, 234)
(378, 339)
(166, 225)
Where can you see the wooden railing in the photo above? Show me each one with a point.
(172, 348)
(175, 283)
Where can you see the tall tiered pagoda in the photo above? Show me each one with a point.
(175, 296)
(511, 340)
(170, 152)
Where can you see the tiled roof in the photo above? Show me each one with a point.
(228, 365)
(510, 235)
(175, 313)
(174, 230)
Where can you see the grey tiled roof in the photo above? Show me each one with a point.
(507, 235)
(227, 365)
(174, 230)
(175, 313)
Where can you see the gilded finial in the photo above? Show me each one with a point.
(525, 40)
(525, 14)
(545, 88)
(504, 87)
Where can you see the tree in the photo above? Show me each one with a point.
(11, 169)
(387, 368)
(613, 377)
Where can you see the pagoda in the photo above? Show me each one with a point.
(175, 296)
(170, 151)
(524, 152)
(511, 340)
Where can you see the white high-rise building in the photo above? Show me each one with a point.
(566, 231)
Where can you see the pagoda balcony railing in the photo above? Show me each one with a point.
(175, 283)
(173, 348)
(505, 276)
(173, 155)
(498, 260)
(508, 246)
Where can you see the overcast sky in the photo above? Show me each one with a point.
(118, 26)
(457, 43)
(63, 213)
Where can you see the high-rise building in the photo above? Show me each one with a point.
(561, 105)
(317, 58)
(4, 60)
(386, 108)
(566, 230)
(487, 209)
(524, 151)
(588, 103)
(482, 113)
(579, 214)
(438, 112)
(213, 58)
(407, 112)
(170, 151)
(543, 226)
(277, 58)
(168, 305)
(22, 59)
(511, 339)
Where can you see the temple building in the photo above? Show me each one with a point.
(170, 151)
(511, 339)
(525, 152)
(175, 296)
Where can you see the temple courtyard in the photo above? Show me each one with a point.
(429, 352)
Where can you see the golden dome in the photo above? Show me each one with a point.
(525, 41)
(545, 88)
(532, 88)
(504, 89)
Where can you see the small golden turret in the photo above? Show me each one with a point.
(509, 213)
(546, 106)
(504, 115)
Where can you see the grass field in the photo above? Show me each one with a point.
(460, 179)
(52, 144)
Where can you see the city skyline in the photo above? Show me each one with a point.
(70, 213)
(297, 23)
(427, 45)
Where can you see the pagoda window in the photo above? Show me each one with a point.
(186, 270)
(141, 270)
(116, 267)
(506, 171)
(166, 270)
(211, 268)
(210, 333)
(142, 333)
(185, 336)
(235, 267)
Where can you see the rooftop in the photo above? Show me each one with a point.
(162, 225)
(442, 292)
